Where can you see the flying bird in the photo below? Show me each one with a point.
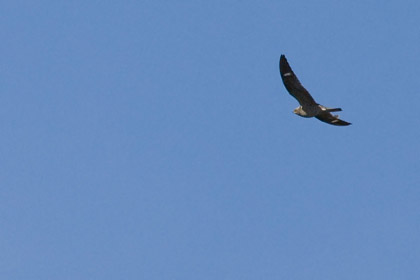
(308, 107)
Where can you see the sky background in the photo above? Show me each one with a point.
(155, 140)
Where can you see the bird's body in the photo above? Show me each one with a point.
(313, 111)
(308, 107)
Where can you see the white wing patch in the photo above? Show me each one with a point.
(287, 74)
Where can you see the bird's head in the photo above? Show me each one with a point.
(298, 111)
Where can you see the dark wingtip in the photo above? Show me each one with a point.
(343, 123)
(283, 60)
(334, 109)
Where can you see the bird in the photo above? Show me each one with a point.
(308, 107)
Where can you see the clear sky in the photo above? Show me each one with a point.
(155, 140)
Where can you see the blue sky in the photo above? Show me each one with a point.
(155, 140)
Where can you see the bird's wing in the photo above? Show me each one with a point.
(331, 119)
(292, 84)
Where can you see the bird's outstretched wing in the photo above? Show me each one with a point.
(292, 84)
(331, 119)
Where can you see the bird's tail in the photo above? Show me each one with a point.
(334, 109)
